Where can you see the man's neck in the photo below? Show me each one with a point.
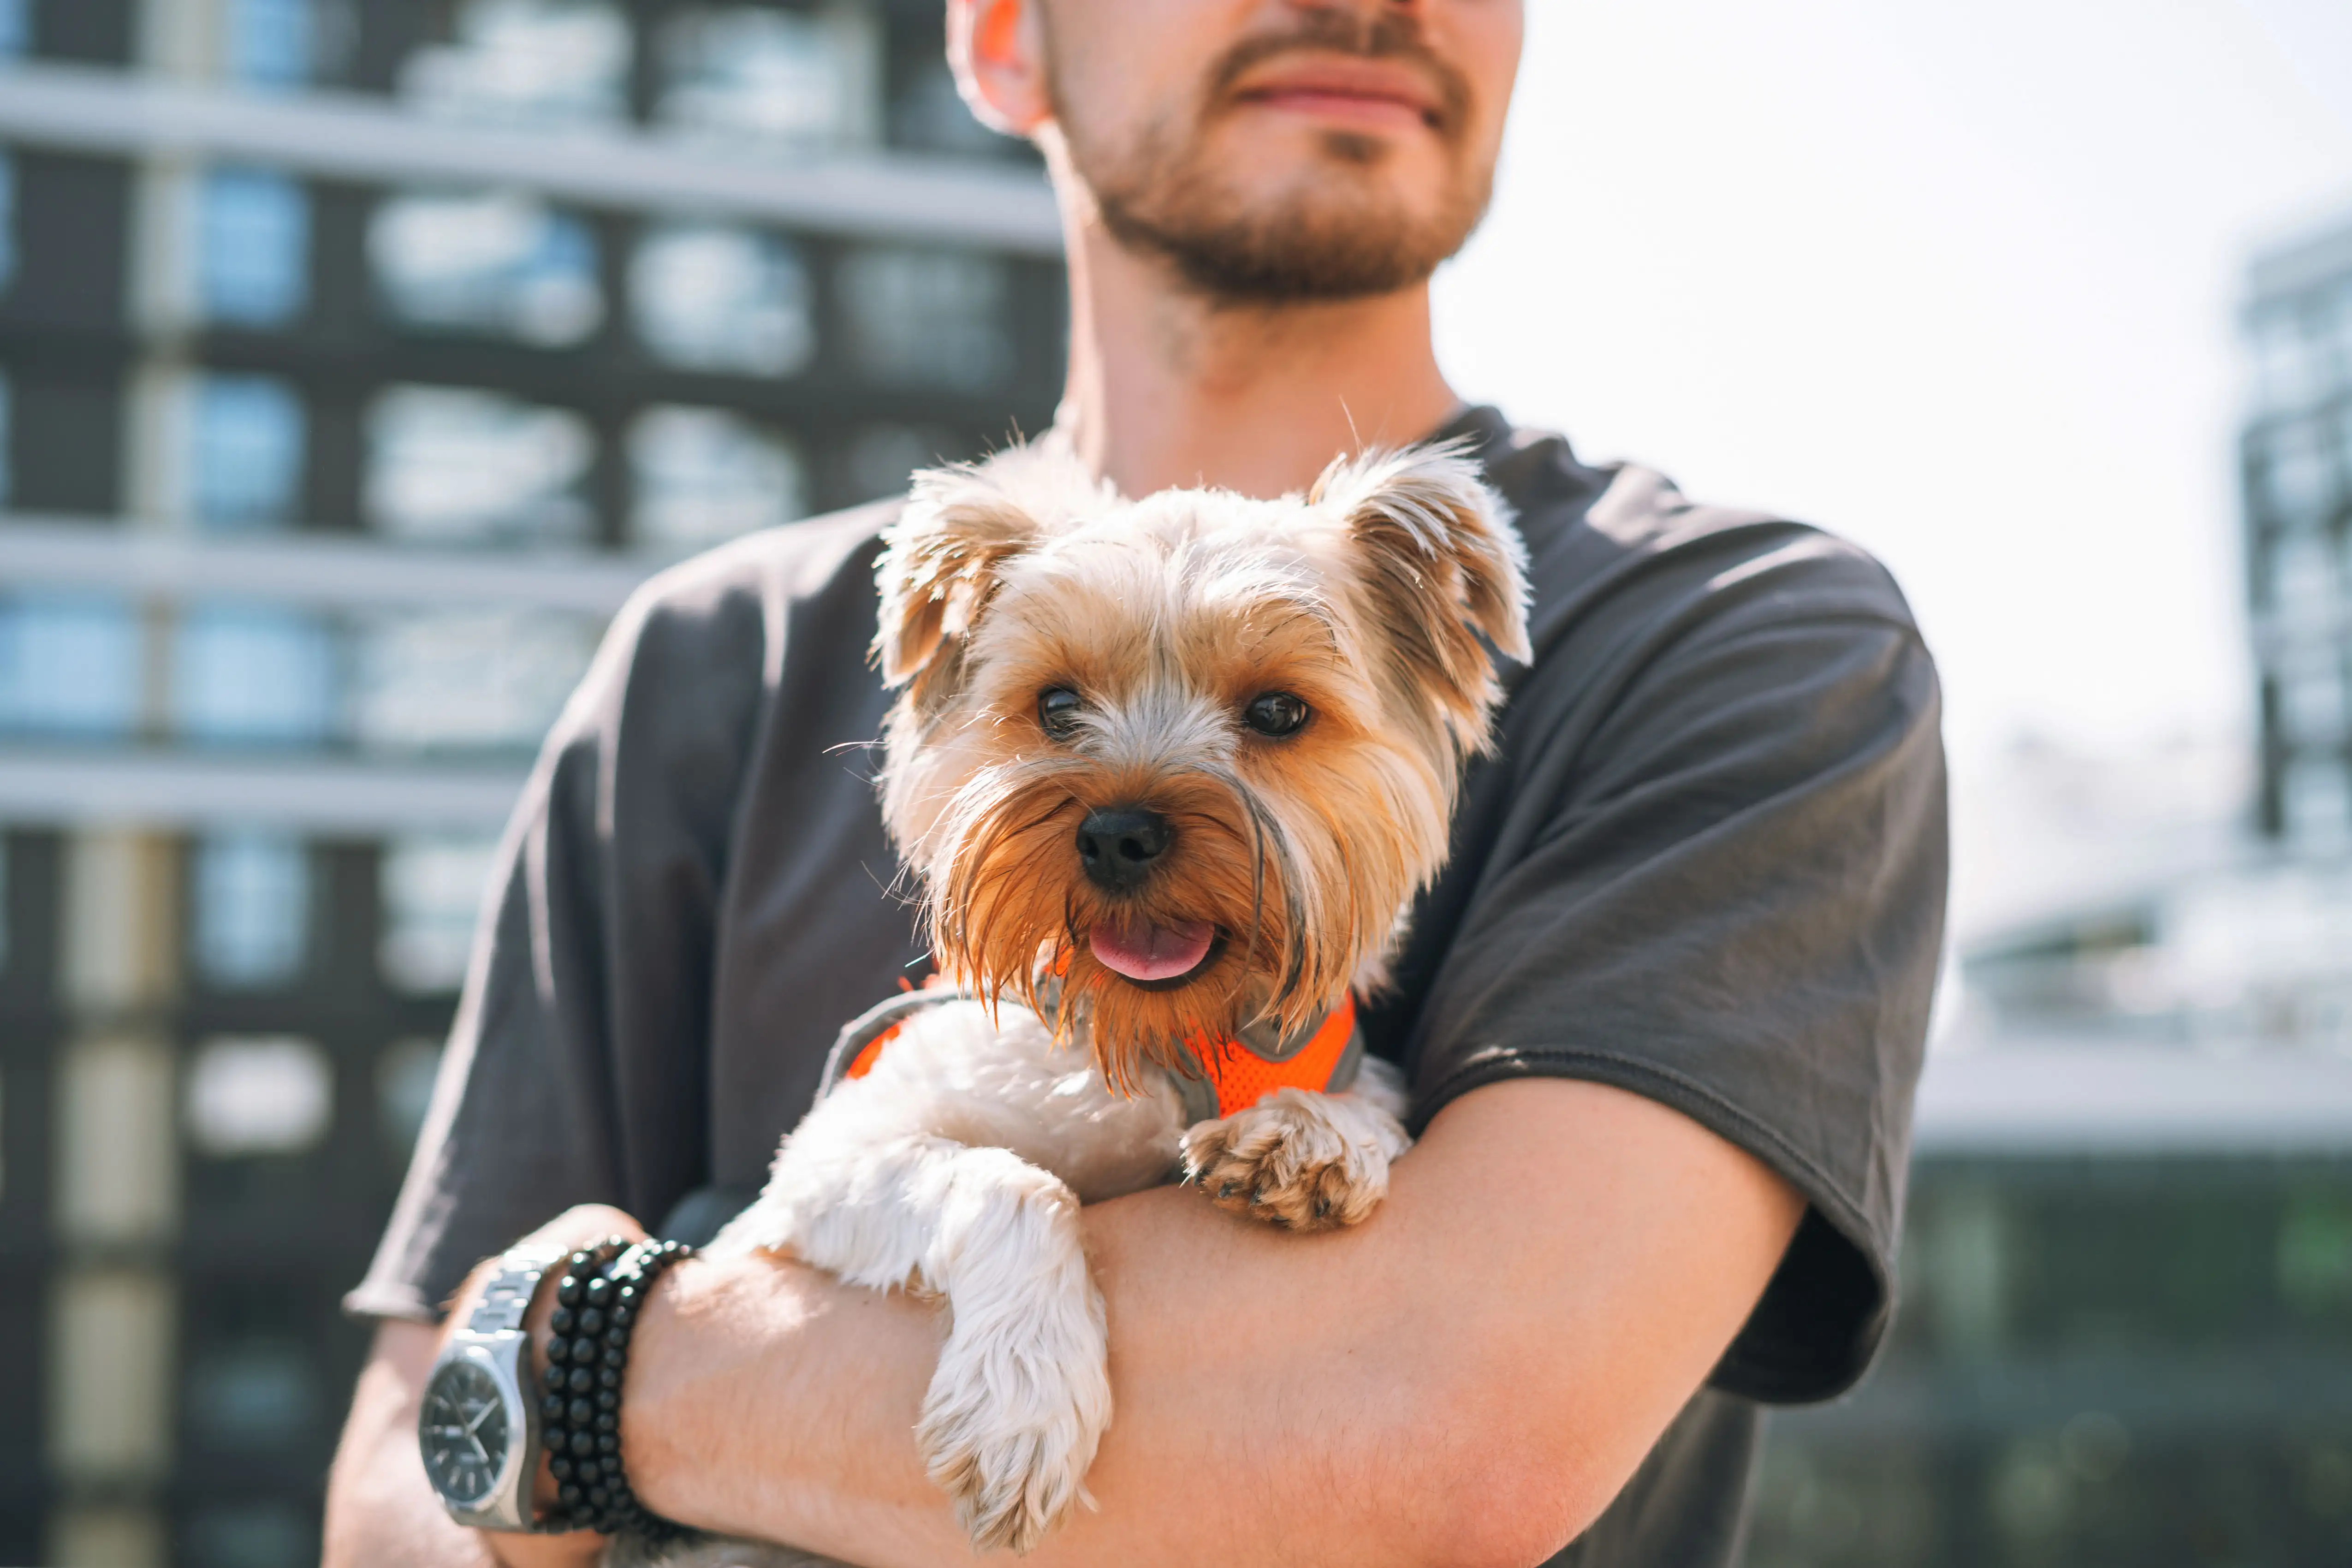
(1167, 388)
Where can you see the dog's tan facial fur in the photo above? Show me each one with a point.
(1366, 598)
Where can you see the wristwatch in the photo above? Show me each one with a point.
(478, 1428)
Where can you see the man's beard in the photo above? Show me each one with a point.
(1161, 195)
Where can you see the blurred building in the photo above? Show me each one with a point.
(2297, 466)
(357, 358)
(2127, 1335)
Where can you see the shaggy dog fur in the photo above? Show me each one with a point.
(1288, 689)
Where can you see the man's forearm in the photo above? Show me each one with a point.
(1474, 1372)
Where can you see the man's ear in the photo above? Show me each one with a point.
(939, 569)
(997, 50)
(1441, 563)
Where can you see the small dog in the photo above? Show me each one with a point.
(1169, 773)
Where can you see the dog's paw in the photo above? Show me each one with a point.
(1021, 1393)
(1311, 1161)
(1011, 1421)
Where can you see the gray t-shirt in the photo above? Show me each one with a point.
(1706, 864)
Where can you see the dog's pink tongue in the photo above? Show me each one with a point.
(1141, 950)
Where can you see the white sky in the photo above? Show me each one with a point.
(1955, 278)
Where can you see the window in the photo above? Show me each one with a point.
(2295, 477)
(447, 464)
(2287, 360)
(706, 297)
(882, 458)
(404, 1076)
(247, 435)
(499, 265)
(252, 910)
(2318, 801)
(283, 43)
(70, 666)
(253, 248)
(259, 1095)
(547, 61)
(702, 476)
(15, 28)
(466, 678)
(254, 1393)
(7, 219)
(257, 674)
(2304, 585)
(927, 318)
(2311, 696)
(738, 73)
(929, 115)
(432, 890)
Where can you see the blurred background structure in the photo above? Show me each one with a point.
(358, 357)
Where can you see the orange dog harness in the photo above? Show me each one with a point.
(1232, 1075)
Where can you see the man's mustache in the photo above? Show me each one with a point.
(1389, 35)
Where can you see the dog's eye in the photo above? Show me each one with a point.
(1057, 711)
(1274, 713)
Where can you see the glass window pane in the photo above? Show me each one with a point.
(432, 889)
(466, 678)
(7, 221)
(15, 28)
(2304, 585)
(927, 318)
(259, 1095)
(247, 435)
(732, 73)
(404, 1076)
(70, 666)
(278, 43)
(252, 910)
(2319, 803)
(929, 115)
(252, 673)
(449, 465)
(708, 297)
(544, 61)
(2297, 477)
(255, 1394)
(882, 458)
(702, 475)
(253, 248)
(497, 264)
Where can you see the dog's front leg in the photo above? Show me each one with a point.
(1021, 1393)
(1307, 1161)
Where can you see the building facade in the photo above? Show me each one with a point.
(357, 359)
(2296, 455)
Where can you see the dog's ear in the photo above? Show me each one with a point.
(941, 564)
(1442, 563)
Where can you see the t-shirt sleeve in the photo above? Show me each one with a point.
(1726, 894)
(571, 1072)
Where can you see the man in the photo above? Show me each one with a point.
(1662, 1016)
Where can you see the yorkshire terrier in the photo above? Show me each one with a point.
(1168, 773)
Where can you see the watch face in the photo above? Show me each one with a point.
(463, 1431)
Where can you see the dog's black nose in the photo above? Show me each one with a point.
(1120, 845)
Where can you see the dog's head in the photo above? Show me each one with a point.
(1196, 752)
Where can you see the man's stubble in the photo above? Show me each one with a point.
(1345, 236)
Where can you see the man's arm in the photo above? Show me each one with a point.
(1469, 1377)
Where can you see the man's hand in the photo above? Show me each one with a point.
(379, 1507)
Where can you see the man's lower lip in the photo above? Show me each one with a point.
(1208, 961)
(1351, 109)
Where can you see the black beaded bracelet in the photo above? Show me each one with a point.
(597, 1301)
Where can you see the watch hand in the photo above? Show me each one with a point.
(479, 1417)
